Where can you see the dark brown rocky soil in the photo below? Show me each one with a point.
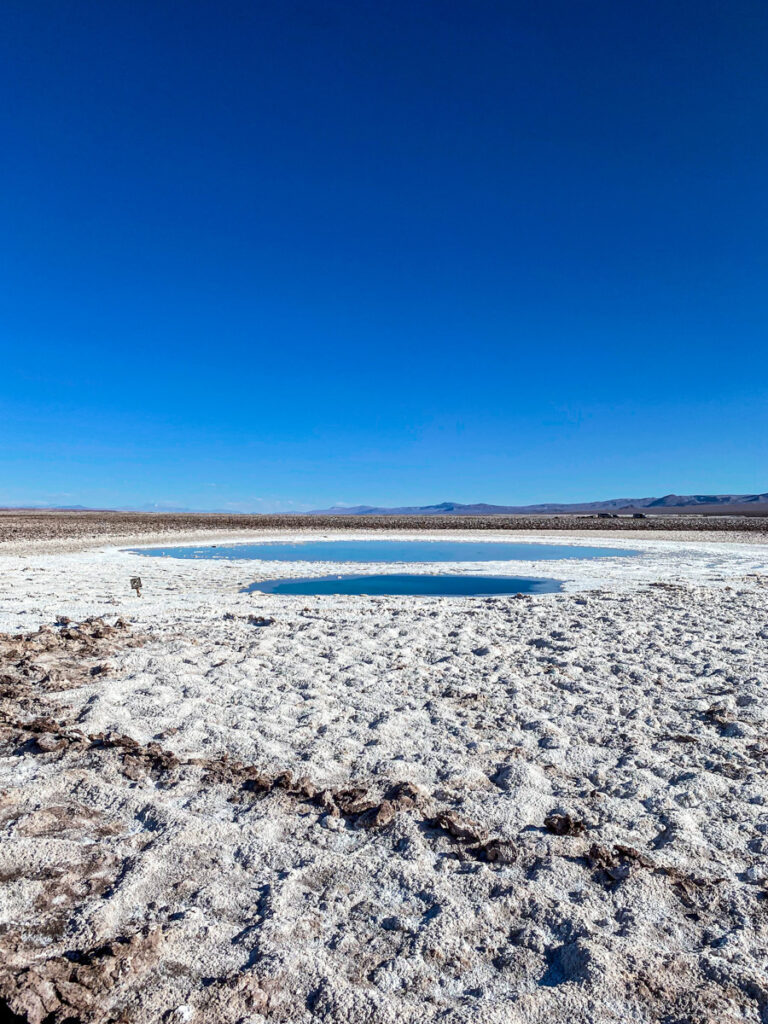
(21, 526)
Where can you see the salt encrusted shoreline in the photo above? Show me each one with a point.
(184, 887)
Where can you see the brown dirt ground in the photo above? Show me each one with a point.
(20, 526)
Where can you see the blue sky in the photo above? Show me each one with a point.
(284, 255)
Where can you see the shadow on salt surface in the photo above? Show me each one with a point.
(413, 585)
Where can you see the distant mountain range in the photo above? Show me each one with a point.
(712, 503)
(704, 502)
(44, 506)
(154, 507)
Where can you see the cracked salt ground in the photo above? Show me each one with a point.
(587, 842)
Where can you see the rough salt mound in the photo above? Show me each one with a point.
(220, 807)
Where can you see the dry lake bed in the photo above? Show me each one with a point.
(228, 806)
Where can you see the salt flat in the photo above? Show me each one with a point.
(509, 809)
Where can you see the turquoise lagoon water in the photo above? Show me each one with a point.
(421, 585)
(390, 551)
(393, 552)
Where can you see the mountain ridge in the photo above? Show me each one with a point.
(726, 503)
(667, 501)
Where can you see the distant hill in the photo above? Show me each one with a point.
(40, 506)
(724, 504)
(676, 502)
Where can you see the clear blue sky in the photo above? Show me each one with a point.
(278, 255)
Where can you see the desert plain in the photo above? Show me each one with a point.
(221, 806)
